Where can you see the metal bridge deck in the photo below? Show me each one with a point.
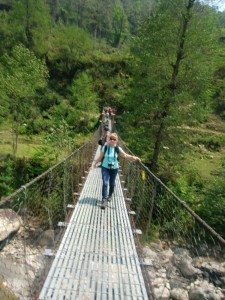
(97, 258)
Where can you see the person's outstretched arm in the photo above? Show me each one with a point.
(126, 155)
(100, 157)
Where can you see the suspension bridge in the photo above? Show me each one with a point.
(85, 252)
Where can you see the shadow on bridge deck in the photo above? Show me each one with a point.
(97, 258)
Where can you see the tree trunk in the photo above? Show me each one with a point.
(159, 138)
(172, 87)
(15, 135)
(180, 51)
(95, 37)
(27, 26)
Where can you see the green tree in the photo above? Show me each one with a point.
(174, 57)
(212, 207)
(83, 93)
(54, 10)
(21, 75)
(57, 139)
(4, 32)
(219, 76)
(84, 100)
(6, 177)
(100, 19)
(68, 48)
(120, 26)
(29, 23)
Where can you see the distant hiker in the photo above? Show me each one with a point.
(105, 136)
(109, 157)
(105, 119)
(110, 111)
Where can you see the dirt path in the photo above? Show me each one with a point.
(202, 130)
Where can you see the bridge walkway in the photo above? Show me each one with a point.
(97, 258)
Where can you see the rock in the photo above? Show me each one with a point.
(179, 294)
(156, 247)
(162, 293)
(187, 270)
(46, 239)
(213, 272)
(215, 267)
(5, 293)
(184, 263)
(181, 251)
(12, 273)
(149, 253)
(10, 223)
(179, 283)
(202, 293)
(166, 256)
(15, 262)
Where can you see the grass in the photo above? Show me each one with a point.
(215, 123)
(24, 150)
(207, 162)
(207, 165)
(27, 146)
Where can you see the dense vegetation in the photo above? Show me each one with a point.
(160, 63)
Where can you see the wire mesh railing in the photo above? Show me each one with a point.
(36, 215)
(161, 215)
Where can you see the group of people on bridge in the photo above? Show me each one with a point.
(108, 157)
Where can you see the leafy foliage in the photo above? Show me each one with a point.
(6, 176)
(120, 26)
(68, 47)
(212, 207)
(22, 74)
(172, 70)
(28, 22)
(58, 138)
(83, 95)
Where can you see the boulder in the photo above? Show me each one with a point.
(10, 223)
(202, 293)
(179, 294)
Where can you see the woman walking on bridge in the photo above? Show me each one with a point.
(109, 158)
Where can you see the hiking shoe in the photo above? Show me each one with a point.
(103, 204)
(109, 198)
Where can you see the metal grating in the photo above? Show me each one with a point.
(97, 258)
